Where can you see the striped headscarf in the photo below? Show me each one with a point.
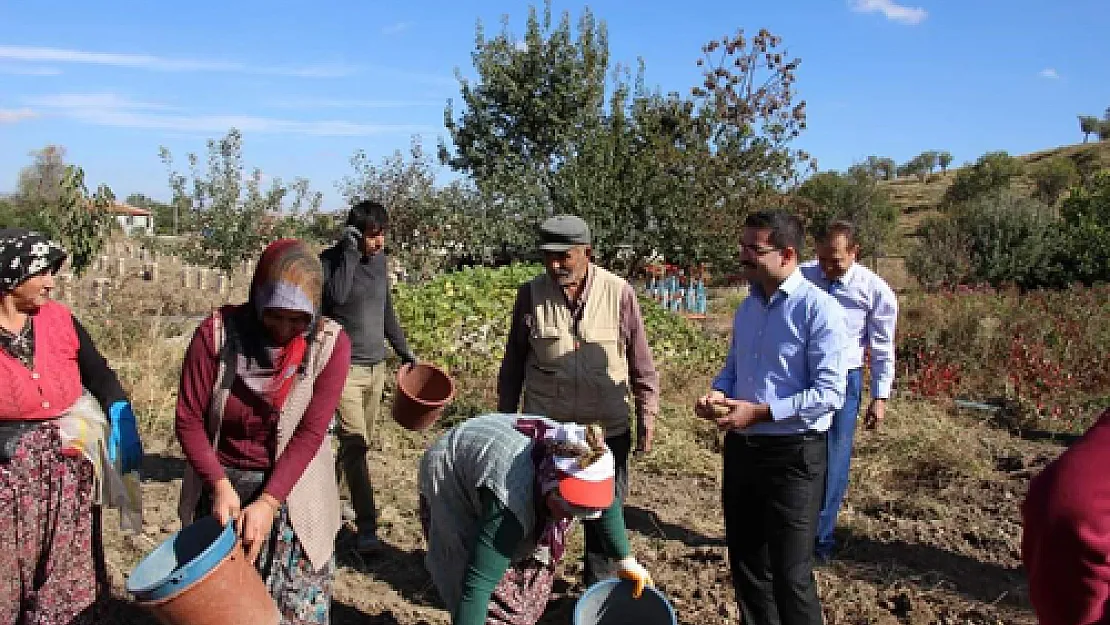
(289, 277)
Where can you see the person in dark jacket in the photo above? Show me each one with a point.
(1065, 543)
(356, 294)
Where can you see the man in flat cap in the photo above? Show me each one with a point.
(578, 350)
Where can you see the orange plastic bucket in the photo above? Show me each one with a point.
(423, 391)
(200, 576)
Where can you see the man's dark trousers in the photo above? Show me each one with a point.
(597, 563)
(771, 495)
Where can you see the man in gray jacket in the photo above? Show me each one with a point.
(356, 294)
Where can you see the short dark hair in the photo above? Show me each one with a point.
(786, 228)
(368, 216)
(840, 226)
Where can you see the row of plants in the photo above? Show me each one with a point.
(1039, 355)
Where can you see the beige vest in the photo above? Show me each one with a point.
(314, 501)
(582, 375)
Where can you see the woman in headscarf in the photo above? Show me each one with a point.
(497, 496)
(259, 386)
(54, 459)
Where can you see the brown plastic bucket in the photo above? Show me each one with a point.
(423, 391)
(201, 576)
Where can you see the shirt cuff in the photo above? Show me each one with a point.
(781, 409)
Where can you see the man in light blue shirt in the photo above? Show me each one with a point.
(870, 311)
(782, 381)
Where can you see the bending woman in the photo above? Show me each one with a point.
(52, 469)
(497, 496)
(259, 386)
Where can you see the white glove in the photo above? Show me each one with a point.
(633, 571)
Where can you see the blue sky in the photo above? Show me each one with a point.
(309, 83)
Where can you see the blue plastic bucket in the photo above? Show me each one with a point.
(201, 576)
(182, 560)
(610, 602)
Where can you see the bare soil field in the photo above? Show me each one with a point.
(928, 535)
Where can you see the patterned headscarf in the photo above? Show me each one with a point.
(23, 254)
(288, 276)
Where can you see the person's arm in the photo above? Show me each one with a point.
(394, 333)
(96, 375)
(310, 432)
(340, 264)
(499, 535)
(880, 333)
(641, 368)
(611, 528)
(510, 379)
(198, 375)
(824, 347)
(725, 382)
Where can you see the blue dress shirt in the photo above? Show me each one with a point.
(870, 313)
(788, 352)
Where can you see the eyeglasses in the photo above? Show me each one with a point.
(756, 250)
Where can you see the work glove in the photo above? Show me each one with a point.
(123, 438)
(635, 572)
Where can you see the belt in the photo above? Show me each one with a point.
(773, 440)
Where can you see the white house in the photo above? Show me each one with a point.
(133, 220)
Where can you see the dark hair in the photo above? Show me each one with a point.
(368, 216)
(786, 228)
(840, 226)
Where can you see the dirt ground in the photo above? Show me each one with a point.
(899, 563)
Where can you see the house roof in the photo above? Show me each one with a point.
(119, 208)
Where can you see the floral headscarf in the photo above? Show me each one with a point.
(25, 253)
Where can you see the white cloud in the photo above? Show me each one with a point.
(12, 116)
(31, 54)
(106, 109)
(396, 29)
(93, 100)
(28, 70)
(339, 103)
(1049, 73)
(892, 10)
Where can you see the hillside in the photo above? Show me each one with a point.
(917, 199)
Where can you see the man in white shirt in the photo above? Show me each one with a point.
(871, 311)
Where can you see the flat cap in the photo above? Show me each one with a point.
(562, 232)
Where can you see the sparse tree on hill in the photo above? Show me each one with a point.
(1088, 125)
(1052, 177)
(43, 180)
(944, 159)
(991, 173)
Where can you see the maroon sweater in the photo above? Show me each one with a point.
(1066, 535)
(248, 437)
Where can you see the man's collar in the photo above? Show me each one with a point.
(788, 286)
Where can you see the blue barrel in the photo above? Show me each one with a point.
(181, 560)
(610, 602)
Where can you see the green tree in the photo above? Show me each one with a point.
(526, 112)
(1088, 125)
(234, 216)
(1086, 215)
(854, 196)
(944, 159)
(991, 173)
(998, 239)
(1052, 177)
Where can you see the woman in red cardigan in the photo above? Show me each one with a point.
(259, 386)
(55, 459)
(1065, 543)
